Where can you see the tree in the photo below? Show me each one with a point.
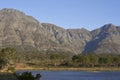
(105, 60)
(116, 60)
(2, 63)
(55, 58)
(78, 59)
(8, 56)
(93, 59)
(86, 60)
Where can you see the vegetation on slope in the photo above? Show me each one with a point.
(10, 59)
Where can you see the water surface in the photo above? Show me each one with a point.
(78, 75)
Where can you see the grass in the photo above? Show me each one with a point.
(72, 68)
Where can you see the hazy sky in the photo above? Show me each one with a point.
(89, 14)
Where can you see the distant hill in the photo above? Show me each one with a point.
(26, 33)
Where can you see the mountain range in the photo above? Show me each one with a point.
(26, 33)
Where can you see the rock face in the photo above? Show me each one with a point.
(22, 31)
(104, 40)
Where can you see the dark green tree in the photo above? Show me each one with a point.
(78, 60)
(93, 59)
(116, 60)
(86, 61)
(8, 56)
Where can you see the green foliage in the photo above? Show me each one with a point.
(28, 76)
(52, 58)
(11, 69)
(7, 56)
(92, 60)
(2, 63)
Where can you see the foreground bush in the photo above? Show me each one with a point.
(28, 76)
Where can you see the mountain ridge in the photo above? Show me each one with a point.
(20, 30)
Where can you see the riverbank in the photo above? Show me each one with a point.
(73, 69)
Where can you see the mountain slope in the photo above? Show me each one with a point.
(20, 30)
(26, 33)
(104, 40)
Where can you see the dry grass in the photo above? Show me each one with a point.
(75, 69)
(27, 67)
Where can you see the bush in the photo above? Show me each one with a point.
(11, 69)
(28, 76)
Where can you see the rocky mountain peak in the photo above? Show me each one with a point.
(11, 10)
(104, 40)
(109, 28)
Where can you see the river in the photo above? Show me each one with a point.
(77, 75)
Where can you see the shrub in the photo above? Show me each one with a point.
(28, 76)
(11, 69)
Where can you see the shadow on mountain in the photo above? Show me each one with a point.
(92, 45)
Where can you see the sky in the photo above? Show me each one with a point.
(69, 14)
